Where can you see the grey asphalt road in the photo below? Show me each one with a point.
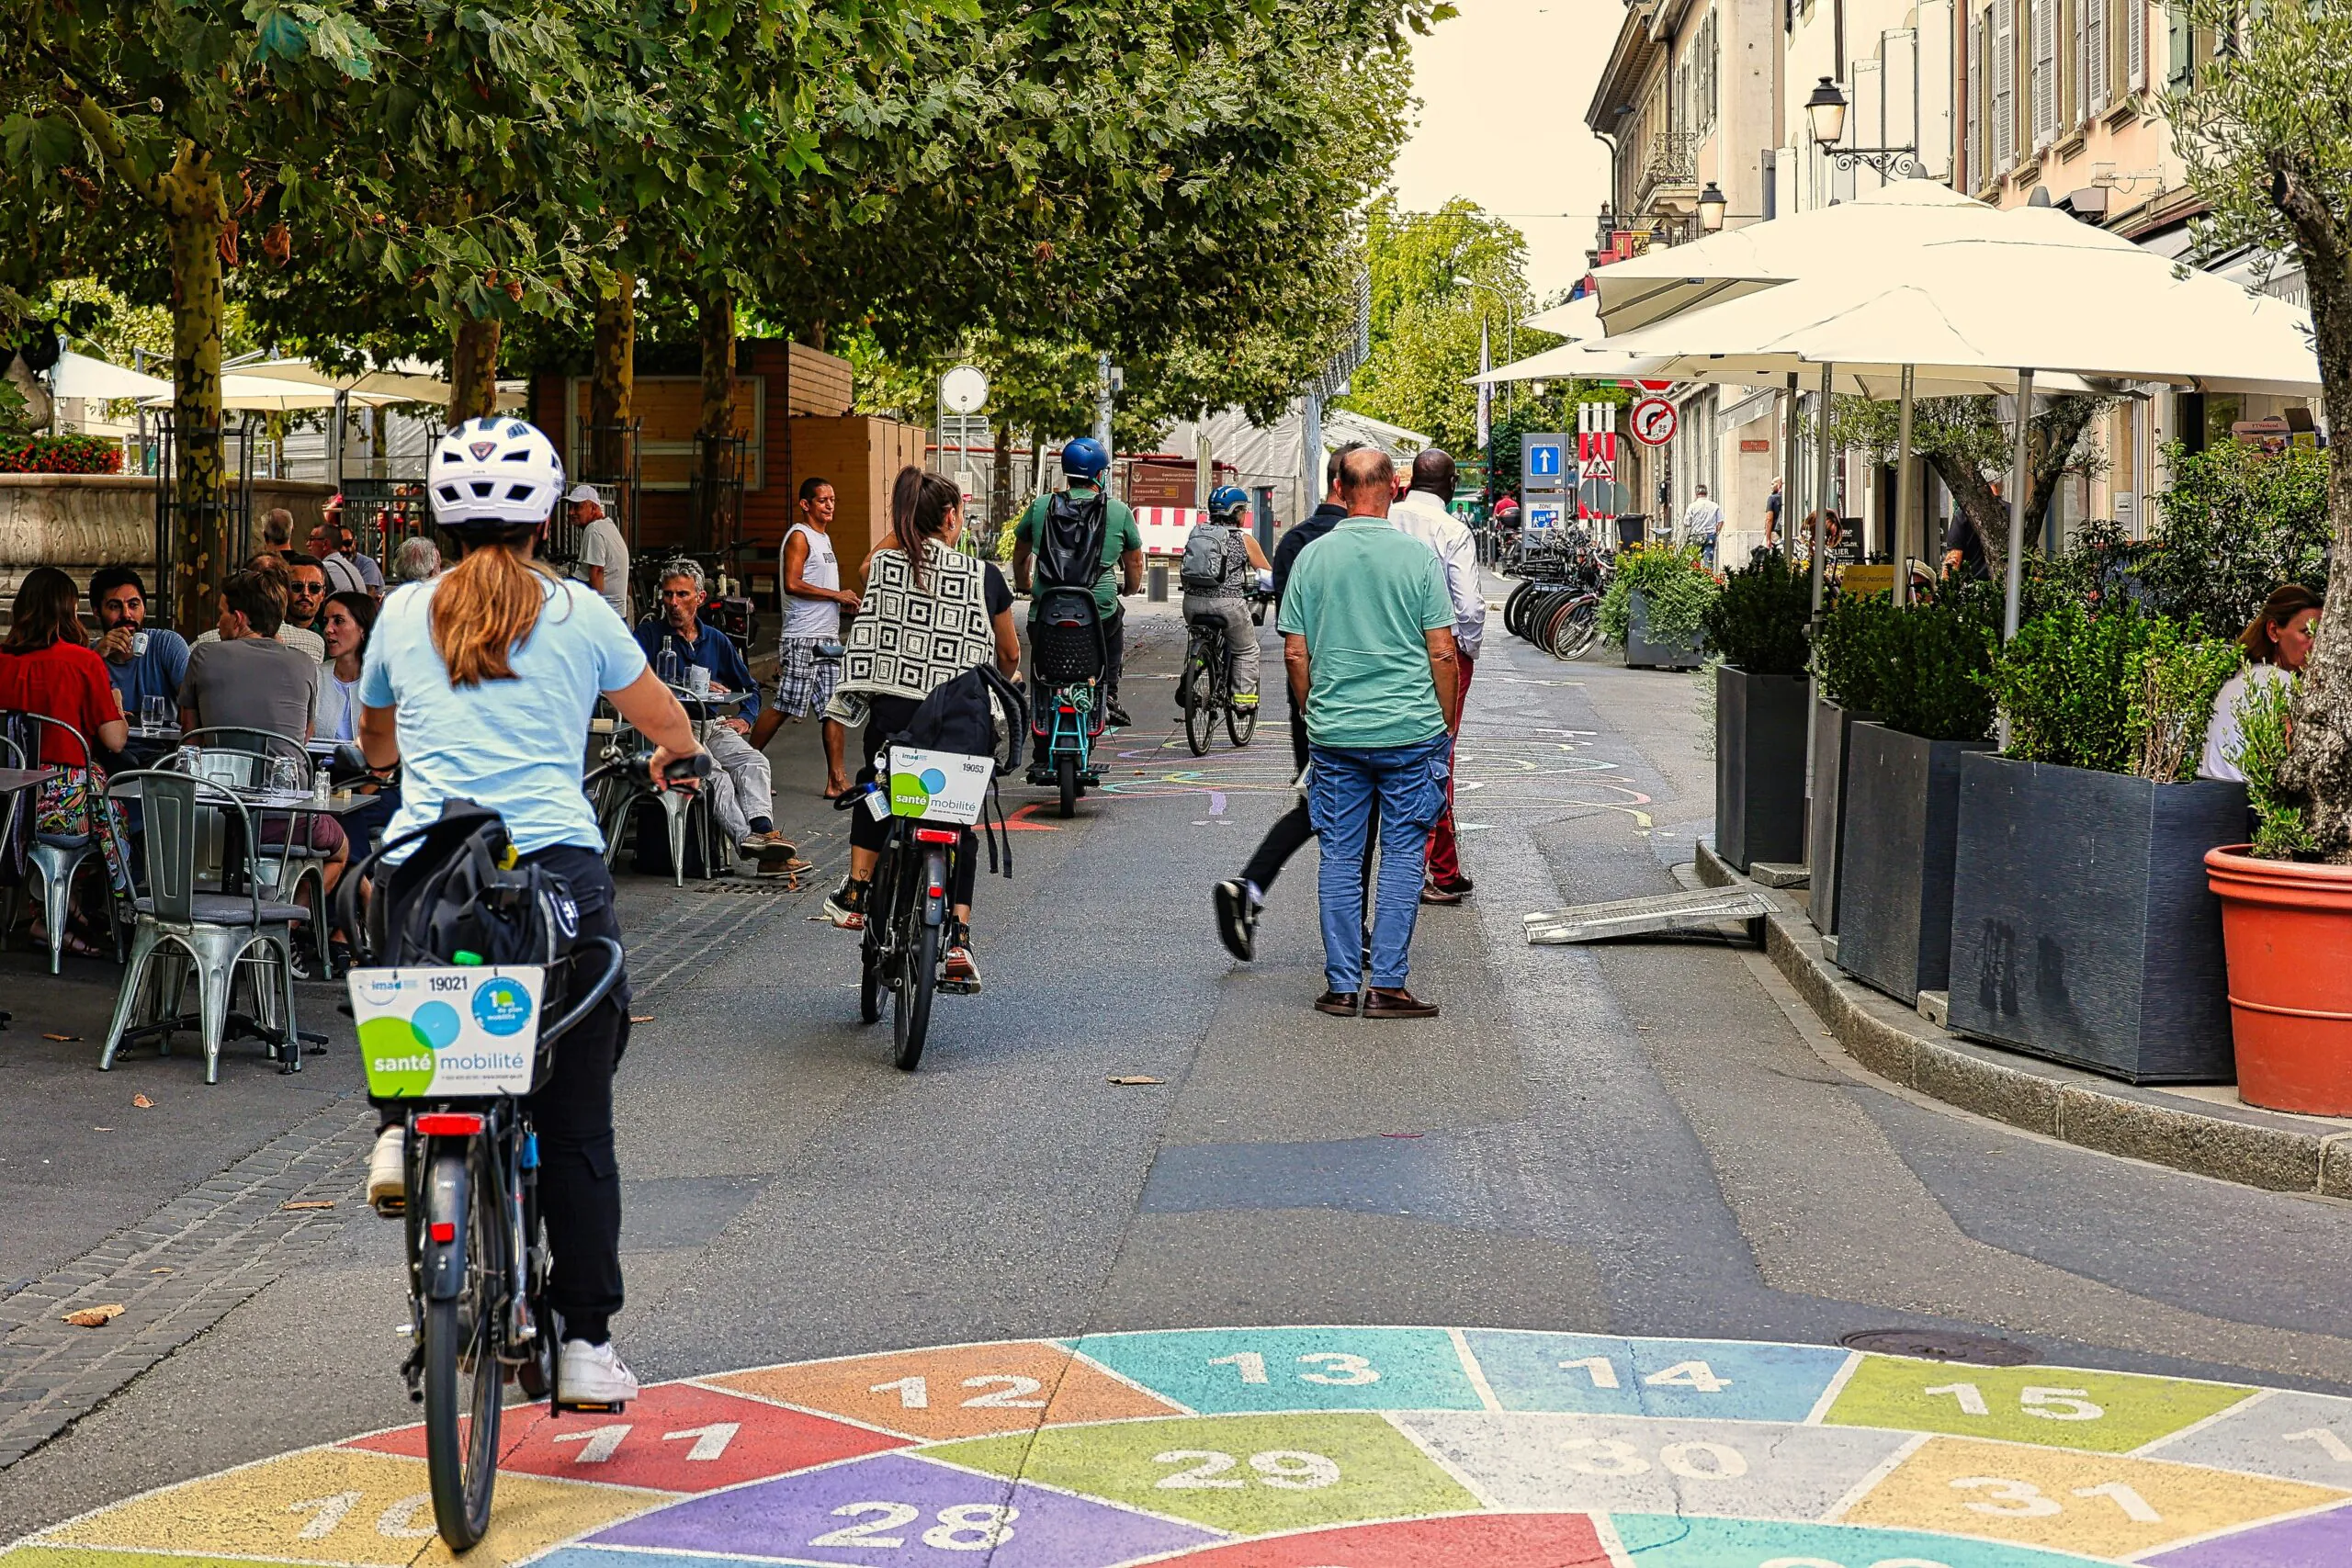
(1644, 1138)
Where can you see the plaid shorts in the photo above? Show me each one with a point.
(803, 682)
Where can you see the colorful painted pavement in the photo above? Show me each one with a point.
(1326, 1447)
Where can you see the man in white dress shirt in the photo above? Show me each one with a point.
(1424, 514)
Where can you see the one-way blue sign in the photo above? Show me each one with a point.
(1543, 461)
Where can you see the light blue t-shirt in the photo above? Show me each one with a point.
(514, 746)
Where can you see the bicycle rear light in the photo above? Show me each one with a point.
(448, 1125)
(445, 1230)
(935, 835)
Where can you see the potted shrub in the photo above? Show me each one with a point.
(1846, 683)
(2287, 931)
(1756, 627)
(1924, 666)
(1655, 606)
(2082, 927)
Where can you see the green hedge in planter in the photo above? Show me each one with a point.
(1923, 669)
(68, 454)
(1758, 622)
(1675, 586)
(2266, 716)
(2119, 691)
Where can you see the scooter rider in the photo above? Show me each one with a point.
(480, 682)
(1084, 461)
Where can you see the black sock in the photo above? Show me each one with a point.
(763, 824)
(588, 1328)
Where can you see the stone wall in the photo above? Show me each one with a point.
(81, 522)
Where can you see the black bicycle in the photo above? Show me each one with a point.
(1204, 690)
(908, 910)
(478, 1256)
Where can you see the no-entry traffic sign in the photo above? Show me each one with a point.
(1653, 422)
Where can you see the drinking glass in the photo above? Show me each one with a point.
(150, 711)
(285, 778)
(698, 680)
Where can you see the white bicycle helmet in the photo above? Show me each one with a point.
(494, 473)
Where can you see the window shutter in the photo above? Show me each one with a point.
(2095, 94)
(1977, 159)
(2135, 46)
(2005, 102)
(2073, 106)
(2044, 85)
(2178, 35)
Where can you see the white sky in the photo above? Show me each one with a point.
(1503, 89)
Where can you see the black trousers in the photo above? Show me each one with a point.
(1293, 827)
(579, 1176)
(1115, 649)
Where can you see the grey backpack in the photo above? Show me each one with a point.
(1204, 558)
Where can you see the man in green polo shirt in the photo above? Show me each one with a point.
(1084, 460)
(1368, 642)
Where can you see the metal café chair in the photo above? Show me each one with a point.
(215, 931)
(294, 871)
(685, 815)
(57, 858)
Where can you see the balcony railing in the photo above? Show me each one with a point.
(1671, 168)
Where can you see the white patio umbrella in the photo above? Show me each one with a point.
(266, 394)
(80, 375)
(2020, 296)
(406, 380)
(1576, 318)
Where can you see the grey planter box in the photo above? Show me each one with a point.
(1895, 868)
(1825, 811)
(2082, 927)
(1759, 767)
(1641, 653)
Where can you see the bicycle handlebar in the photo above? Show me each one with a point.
(639, 769)
(598, 993)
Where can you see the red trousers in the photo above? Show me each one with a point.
(1445, 858)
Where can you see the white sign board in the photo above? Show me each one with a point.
(444, 1032)
(941, 787)
(964, 389)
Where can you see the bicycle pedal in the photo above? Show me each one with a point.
(958, 987)
(581, 1407)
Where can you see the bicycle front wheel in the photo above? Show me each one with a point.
(910, 1005)
(461, 1368)
(1200, 719)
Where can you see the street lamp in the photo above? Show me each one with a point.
(1826, 111)
(1711, 208)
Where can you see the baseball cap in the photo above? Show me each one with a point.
(584, 492)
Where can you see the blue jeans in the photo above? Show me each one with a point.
(1408, 786)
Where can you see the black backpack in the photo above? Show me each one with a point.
(979, 714)
(1070, 540)
(460, 891)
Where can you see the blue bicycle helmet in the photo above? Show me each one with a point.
(1084, 459)
(1228, 502)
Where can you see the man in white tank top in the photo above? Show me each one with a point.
(809, 657)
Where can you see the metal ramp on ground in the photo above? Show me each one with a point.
(1665, 913)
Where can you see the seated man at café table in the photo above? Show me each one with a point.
(119, 600)
(306, 596)
(248, 680)
(742, 789)
(302, 639)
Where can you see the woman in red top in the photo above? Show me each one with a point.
(47, 667)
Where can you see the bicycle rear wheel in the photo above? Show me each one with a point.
(910, 1004)
(1578, 630)
(1240, 723)
(461, 1343)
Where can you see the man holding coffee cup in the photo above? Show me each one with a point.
(742, 789)
(141, 663)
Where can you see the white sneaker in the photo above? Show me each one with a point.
(387, 1173)
(593, 1374)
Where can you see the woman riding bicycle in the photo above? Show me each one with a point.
(928, 614)
(480, 682)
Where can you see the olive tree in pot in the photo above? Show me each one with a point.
(1923, 669)
(1656, 605)
(1756, 627)
(2082, 927)
(2266, 130)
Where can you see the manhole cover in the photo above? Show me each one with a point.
(1934, 1345)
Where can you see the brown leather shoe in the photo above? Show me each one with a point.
(1337, 1005)
(1380, 1003)
(1432, 894)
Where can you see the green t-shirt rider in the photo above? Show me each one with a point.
(1084, 460)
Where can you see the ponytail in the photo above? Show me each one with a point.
(485, 608)
(920, 503)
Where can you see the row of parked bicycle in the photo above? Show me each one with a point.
(1556, 605)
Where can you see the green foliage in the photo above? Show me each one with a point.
(2175, 702)
(1676, 589)
(2119, 691)
(1924, 668)
(1758, 622)
(2266, 725)
(65, 454)
(2237, 521)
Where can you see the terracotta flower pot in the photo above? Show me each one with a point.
(2287, 927)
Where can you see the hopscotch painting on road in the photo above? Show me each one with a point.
(1318, 1446)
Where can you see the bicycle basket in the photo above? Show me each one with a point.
(1066, 639)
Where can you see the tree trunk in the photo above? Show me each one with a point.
(196, 218)
(714, 324)
(1986, 512)
(612, 384)
(473, 370)
(2318, 765)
